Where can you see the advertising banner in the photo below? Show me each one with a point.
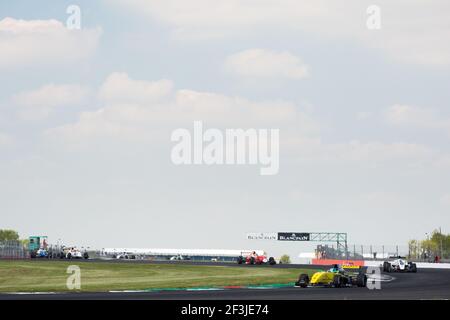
(293, 236)
(262, 236)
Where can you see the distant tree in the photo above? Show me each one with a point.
(285, 259)
(436, 245)
(25, 242)
(414, 249)
(441, 240)
(8, 235)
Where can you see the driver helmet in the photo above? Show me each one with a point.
(335, 268)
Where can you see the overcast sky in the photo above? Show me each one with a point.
(86, 117)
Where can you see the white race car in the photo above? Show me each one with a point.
(124, 256)
(399, 265)
(74, 253)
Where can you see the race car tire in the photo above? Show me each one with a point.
(361, 280)
(387, 267)
(86, 256)
(303, 281)
(413, 267)
(32, 255)
(69, 256)
(272, 261)
(240, 260)
(252, 260)
(337, 281)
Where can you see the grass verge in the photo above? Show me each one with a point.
(51, 276)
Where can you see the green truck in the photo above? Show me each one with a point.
(38, 246)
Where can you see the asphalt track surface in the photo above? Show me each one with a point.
(425, 284)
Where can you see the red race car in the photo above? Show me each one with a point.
(254, 258)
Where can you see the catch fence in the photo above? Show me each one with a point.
(13, 250)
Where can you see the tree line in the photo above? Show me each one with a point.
(8, 235)
(12, 235)
(436, 245)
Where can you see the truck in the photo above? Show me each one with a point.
(38, 247)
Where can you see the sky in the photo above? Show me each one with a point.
(86, 117)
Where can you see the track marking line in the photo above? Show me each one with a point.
(126, 291)
(380, 278)
(36, 293)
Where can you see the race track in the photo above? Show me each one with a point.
(425, 284)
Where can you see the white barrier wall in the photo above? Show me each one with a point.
(420, 265)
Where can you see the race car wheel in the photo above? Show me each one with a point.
(303, 281)
(344, 282)
(272, 261)
(387, 267)
(252, 260)
(240, 260)
(337, 281)
(413, 267)
(86, 255)
(361, 280)
(69, 256)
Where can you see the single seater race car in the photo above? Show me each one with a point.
(336, 277)
(254, 258)
(399, 264)
(73, 253)
(40, 253)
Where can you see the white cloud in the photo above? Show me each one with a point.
(215, 18)
(412, 31)
(119, 88)
(266, 63)
(147, 111)
(38, 104)
(36, 42)
(135, 110)
(416, 117)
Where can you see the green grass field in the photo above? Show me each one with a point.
(34, 276)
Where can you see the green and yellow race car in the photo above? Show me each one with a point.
(336, 277)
